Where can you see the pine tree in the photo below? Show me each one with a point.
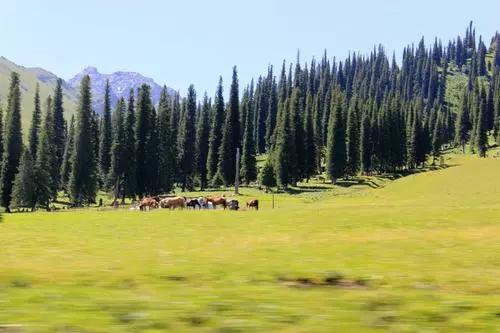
(202, 137)
(186, 140)
(59, 128)
(463, 124)
(35, 124)
(230, 135)
(12, 141)
(44, 179)
(297, 154)
(118, 165)
(267, 176)
(215, 139)
(129, 151)
(166, 157)
(310, 141)
(437, 138)
(336, 158)
(23, 190)
(283, 149)
(481, 135)
(143, 133)
(366, 144)
(67, 157)
(106, 139)
(352, 138)
(82, 183)
(248, 160)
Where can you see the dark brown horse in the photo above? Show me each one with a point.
(254, 203)
(221, 200)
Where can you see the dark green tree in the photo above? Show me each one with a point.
(130, 183)
(481, 140)
(12, 141)
(336, 158)
(36, 120)
(143, 133)
(45, 175)
(248, 160)
(202, 138)
(462, 126)
(59, 127)
(118, 166)
(166, 157)
(230, 135)
(106, 139)
(267, 176)
(82, 182)
(352, 138)
(214, 142)
(23, 191)
(186, 140)
(310, 140)
(68, 153)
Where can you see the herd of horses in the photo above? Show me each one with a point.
(211, 202)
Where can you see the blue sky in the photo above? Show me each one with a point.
(185, 42)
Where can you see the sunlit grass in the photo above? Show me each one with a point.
(416, 254)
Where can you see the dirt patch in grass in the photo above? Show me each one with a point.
(329, 280)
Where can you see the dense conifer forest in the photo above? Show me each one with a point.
(367, 114)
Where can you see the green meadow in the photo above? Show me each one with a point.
(420, 253)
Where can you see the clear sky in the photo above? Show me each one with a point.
(182, 42)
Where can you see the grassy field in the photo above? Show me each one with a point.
(420, 254)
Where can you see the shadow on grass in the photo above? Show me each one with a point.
(368, 181)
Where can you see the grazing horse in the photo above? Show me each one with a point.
(217, 201)
(254, 203)
(148, 203)
(193, 203)
(173, 203)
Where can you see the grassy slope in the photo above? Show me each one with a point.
(427, 244)
(29, 77)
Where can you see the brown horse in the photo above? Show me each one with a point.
(254, 203)
(173, 203)
(148, 203)
(221, 200)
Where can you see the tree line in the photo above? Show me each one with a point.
(366, 114)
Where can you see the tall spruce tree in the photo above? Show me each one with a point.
(143, 132)
(283, 149)
(23, 191)
(67, 157)
(116, 174)
(186, 140)
(352, 138)
(82, 182)
(336, 158)
(36, 120)
(45, 174)
(166, 142)
(59, 125)
(230, 135)
(106, 139)
(462, 126)
(129, 151)
(481, 140)
(310, 141)
(215, 138)
(365, 144)
(248, 160)
(202, 137)
(12, 141)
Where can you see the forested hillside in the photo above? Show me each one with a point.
(364, 114)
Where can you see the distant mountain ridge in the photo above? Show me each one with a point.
(120, 85)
